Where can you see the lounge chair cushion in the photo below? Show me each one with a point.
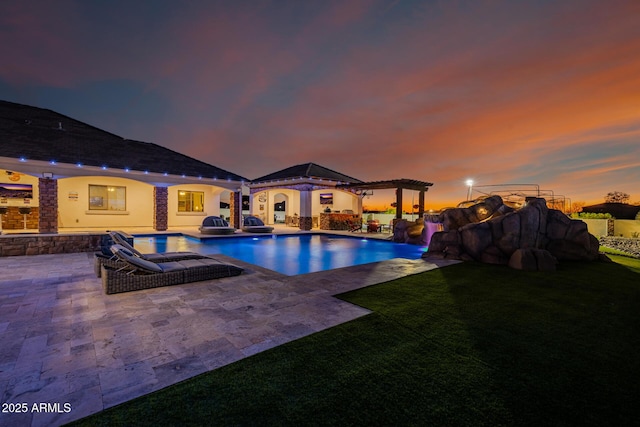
(253, 221)
(128, 256)
(196, 263)
(214, 221)
(122, 241)
(216, 225)
(119, 239)
(172, 266)
(155, 257)
(254, 224)
(122, 249)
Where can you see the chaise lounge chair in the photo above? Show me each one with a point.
(120, 239)
(137, 273)
(254, 224)
(216, 225)
(155, 257)
(355, 226)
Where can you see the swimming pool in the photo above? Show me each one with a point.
(290, 255)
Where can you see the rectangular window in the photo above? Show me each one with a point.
(190, 201)
(107, 198)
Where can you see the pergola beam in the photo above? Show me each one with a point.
(399, 184)
(406, 184)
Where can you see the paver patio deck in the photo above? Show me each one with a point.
(63, 341)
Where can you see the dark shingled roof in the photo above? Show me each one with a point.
(307, 170)
(41, 134)
(617, 210)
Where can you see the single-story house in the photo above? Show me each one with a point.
(57, 172)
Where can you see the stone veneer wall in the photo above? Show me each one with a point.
(306, 223)
(235, 209)
(338, 221)
(16, 245)
(48, 201)
(14, 220)
(161, 208)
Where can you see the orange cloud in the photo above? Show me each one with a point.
(500, 92)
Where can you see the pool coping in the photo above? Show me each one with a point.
(265, 236)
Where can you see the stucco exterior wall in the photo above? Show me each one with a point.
(292, 204)
(20, 178)
(73, 204)
(191, 219)
(597, 227)
(621, 227)
(294, 201)
(341, 200)
(626, 228)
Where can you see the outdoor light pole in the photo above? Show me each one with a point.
(470, 185)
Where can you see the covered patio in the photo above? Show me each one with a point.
(310, 195)
(399, 185)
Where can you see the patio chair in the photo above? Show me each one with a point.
(252, 224)
(355, 226)
(137, 273)
(373, 226)
(215, 225)
(120, 239)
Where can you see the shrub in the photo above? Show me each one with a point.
(591, 215)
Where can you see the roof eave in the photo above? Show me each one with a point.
(39, 168)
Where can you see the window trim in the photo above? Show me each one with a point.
(190, 212)
(106, 210)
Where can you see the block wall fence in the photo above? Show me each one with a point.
(613, 227)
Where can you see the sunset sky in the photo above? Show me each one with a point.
(523, 92)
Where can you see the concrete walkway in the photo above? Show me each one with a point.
(63, 342)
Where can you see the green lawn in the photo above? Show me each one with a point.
(469, 344)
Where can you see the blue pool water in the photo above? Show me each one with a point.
(290, 255)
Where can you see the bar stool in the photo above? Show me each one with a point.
(25, 211)
(3, 211)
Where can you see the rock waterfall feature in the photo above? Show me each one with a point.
(531, 238)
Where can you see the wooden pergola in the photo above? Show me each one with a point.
(399, 184)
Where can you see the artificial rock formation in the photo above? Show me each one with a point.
(488, 208)
(532, 238)
(409, 232)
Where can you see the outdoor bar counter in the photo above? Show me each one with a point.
(339, 221)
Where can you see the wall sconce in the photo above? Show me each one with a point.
(47, 175)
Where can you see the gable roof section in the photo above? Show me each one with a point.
(307, 170)
(617, 210)
(40, 134)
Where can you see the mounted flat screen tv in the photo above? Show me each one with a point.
(326, 198)
(16, 191)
